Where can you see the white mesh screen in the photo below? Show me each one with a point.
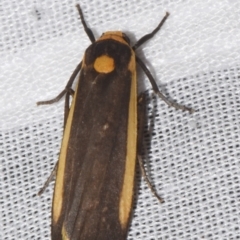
(193, 160)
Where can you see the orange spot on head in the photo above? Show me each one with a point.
(104, 64)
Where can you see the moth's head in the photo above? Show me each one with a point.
(116, 35)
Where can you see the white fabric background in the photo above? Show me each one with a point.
(193, 160)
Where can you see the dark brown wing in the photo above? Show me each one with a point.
(97, 148)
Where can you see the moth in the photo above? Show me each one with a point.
(94, 187)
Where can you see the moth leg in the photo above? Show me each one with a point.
(148, 73)
(157, 91)
(141, 117)
(54, 171)
(67, 92)
(67, 88)
(50, 178)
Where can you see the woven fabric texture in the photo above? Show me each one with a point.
(193, 160)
